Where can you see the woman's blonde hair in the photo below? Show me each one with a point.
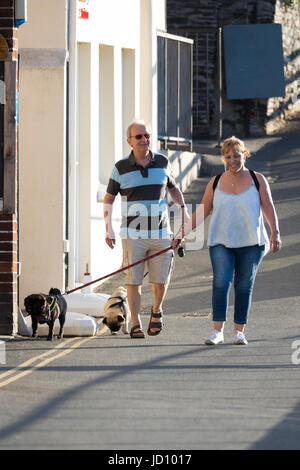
(232, 142)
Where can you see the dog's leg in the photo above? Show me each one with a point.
(125, 327)
(50, 334)
(34, 324)
(62, 319)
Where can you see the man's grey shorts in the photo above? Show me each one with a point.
(159, 268)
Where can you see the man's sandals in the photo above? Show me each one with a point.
(137, 332)
(158, 325)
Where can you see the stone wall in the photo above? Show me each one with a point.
(200, 19)
(280, 109)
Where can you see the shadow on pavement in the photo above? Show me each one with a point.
(284, 436)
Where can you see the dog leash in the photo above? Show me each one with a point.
(119, 270)
(180, 252)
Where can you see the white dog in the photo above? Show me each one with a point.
(116, 311)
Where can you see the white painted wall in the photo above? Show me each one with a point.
(42, 43)
(126, 89)
(112, 65)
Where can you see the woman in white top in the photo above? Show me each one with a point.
(237, 237)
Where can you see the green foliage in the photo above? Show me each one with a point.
(290, 3)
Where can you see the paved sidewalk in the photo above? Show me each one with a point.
(239, 397)
(172, 391)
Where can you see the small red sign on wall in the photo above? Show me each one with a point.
(84, 9)
(83, 14)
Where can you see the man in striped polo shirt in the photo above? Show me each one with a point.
(142, 180)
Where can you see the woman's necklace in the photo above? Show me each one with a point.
(233, 181)
(235, 178)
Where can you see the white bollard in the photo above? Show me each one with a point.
(2, 353)
(86, 279)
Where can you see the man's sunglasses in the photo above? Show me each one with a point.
(140, 136)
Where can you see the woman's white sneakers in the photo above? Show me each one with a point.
(218, 338)
(239, 338)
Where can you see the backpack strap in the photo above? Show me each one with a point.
(254, 177)
(216, 180)
(252, 173)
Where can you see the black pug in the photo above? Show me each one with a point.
(46, 309)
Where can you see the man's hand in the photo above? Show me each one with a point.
(176, 243)
(110, 239)
(185, 215)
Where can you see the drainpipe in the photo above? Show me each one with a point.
(66, 247)
(72, 163)
(220, 78)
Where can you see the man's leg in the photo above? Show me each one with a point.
(133, 251)
(134, 294)
(159, 292)
(160, 269)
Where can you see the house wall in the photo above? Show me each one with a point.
(43, 51)
(107, 50)
(118, 81)
(8, 171)
(82, 82)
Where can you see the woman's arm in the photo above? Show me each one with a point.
(200, 214)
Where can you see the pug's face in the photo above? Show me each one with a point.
(114, 319)
(35, 304)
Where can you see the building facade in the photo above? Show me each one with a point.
(201, 20)
(85, 73)
(8, 169)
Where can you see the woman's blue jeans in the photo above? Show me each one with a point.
(242, 263)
